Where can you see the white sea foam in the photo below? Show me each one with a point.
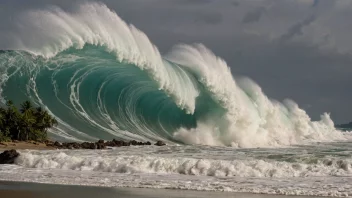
(183, 165)
(320, 169)
(252, 119)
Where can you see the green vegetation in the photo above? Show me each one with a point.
(28, 123)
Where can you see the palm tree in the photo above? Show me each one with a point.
(12, 120)
(9, 103)
(40, 122)
(2, 122)
(28, 118)
(44, 121)
(27, 124)
(26, 106)
(2, 117)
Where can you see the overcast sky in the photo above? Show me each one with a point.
(298, 49)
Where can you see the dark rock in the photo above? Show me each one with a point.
(100, 146)
(76, 145)
(49, 143)
(160, 143)
(101, 142)
(133, 142)
(8, 157)
(92, 146)
(116, 143)
(70, 145)
(110, 143)
(63, 145)
(57, 144)
(85, 145)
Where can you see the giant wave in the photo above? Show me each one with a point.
(102, 78)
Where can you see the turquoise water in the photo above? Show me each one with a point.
(93, 93)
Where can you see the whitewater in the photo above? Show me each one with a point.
(103, 78)
(320, 169)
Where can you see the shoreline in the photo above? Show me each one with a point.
(50, 145)
(21, 145)
(30, 189)
(9, 150)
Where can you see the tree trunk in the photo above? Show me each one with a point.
(18, 134)
(27, 135)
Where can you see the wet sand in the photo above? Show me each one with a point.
(17, 194)
(29, 190)
(24, 145)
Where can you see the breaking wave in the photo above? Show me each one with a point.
(185, 166)
(102, 78)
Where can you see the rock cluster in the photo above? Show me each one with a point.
(160, 143)
(101, 144)
(8, 157)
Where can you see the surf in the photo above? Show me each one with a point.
(103, 78)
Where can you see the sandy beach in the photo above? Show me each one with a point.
(24, 145)
(29, 190)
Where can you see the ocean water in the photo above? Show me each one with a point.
(102, 78)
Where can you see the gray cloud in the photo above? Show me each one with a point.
(235, 3)
(315, 3)
(192, 2)
(253, 16)
(210, 18)
(296, 29)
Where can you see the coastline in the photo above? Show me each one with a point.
(38, 190)
(21, 145)
(50, 145)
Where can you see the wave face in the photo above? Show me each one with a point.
(102, 79)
